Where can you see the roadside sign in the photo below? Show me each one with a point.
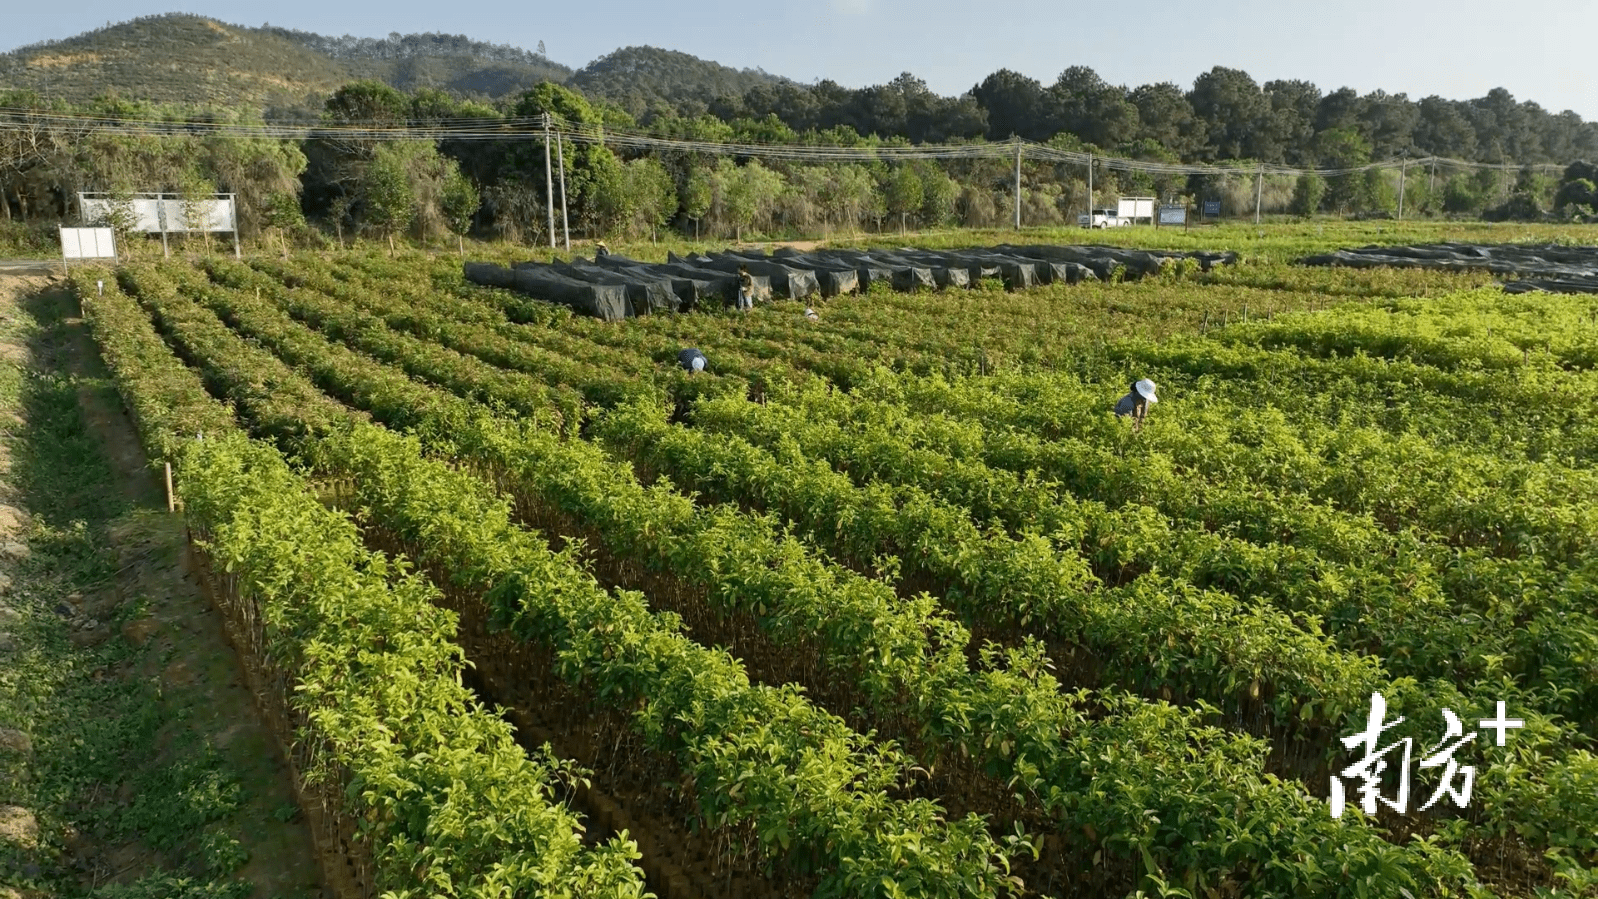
(88, 243)
(1212, 207)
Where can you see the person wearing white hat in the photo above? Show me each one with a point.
(1136, 403)
(691, 360)
(811, 314)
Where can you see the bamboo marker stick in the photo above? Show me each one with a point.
(171, 504)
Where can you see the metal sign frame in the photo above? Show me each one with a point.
(87, 243)
(163, 213)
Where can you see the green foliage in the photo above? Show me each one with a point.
(1461, 196)
(745, 194)
(1377, 193)
(903, 193)
(283, 212)
(1405, 511)
(1308, 192)
(939, 193)
(1520, 206)
(1578, 192)
(366, 103)
(459, 200)
(388, 201)
(1344, 148)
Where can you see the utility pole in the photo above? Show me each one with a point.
(549, 184)
(1018, 182)
(560, 160)
(1090, 191)
(1259, 192)
(1402, 169)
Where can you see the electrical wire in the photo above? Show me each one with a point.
(532, 129)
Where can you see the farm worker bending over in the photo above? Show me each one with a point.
(746, 289)
(601, 250)
(811, 314)
(691, 360)
(1136, 403)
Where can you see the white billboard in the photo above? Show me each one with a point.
(1136, 208)
(88, 243)
(160, 213)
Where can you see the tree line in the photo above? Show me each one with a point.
(497, 188)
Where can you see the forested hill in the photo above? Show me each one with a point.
(189, 60)
(645, 80)
(449, 61)
(175, 59)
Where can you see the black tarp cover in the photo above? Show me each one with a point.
(604, 301)
(1551, 267)
(614, 287)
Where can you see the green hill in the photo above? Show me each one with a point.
(192, 60)
(174, 58)
(447, 61)
(636, 78)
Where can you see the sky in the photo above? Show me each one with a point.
(1461, 49)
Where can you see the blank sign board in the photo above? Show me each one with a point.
(88, 243)
(155, 214)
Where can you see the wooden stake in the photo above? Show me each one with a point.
(171, 503)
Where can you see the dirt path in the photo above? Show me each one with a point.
(131, 756)
(24, 267)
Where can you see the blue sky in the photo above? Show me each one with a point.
(1536, 49)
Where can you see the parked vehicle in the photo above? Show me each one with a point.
(1103, 218)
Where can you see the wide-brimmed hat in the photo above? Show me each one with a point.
(1145, 389)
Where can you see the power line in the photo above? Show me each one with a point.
(531, 129)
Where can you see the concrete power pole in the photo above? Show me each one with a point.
(1018, 183)
(1090, 191)
(560, 160)
(1403, 168)
(1259, 192)
(549, 184)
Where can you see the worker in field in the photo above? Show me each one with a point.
(691, 360)
(811, 314)
(746, 289)
(601, 250)
(1136, 403)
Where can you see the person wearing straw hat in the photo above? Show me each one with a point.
(691, 360)
(811, 314)
(601, 250)
(1136, 403)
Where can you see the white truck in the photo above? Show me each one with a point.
(1128, 211)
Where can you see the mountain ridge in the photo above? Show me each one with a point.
(193, 60)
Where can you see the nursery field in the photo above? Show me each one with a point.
(890, 603)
